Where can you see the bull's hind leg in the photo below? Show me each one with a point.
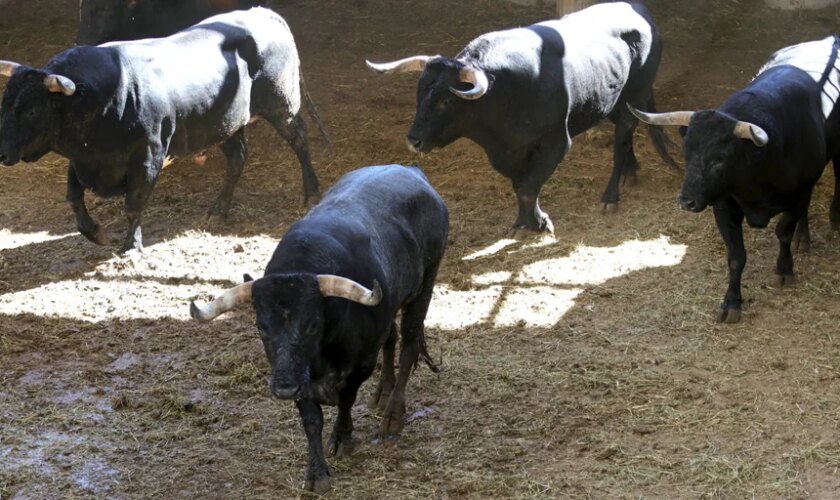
(379, 399)
(785, 229)
(76, 197)
(834, 213)
(624, 159)
(293, 130)
(235, 150)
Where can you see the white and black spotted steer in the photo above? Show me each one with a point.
(522, 94)
(322, 328)
(760, 153)
(118, 110)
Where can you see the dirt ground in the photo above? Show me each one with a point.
(585, 367)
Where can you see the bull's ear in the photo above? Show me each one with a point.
(246, 278)
(683, 130)
(58, 83)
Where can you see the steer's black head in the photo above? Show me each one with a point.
(290, 319)
(444, 107)
(29, 115)
(715, 159)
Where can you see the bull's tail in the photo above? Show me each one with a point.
(660, 141)
(313, 113)
(427, 358)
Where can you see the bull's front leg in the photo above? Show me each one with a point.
(76, 197)
(141, 180)
(729, 219)
(317, 473)
(541, 163)
(380, 396)
(340, 443)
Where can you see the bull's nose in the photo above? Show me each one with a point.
(414, 144)
(687, 203)
(285, 391)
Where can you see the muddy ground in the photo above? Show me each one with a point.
(585, 367)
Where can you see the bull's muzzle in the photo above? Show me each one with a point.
(690, 204)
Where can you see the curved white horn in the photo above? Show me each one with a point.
(336, 286)
(8, 67)
(674, 118)
(478, 78)
(409, 64)
(58, 83)
(747, 130)
(223, 303)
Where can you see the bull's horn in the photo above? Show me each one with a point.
(477, 77)
(336, 286)
(58, 83)
(674, 118)
(747, 130)
(223, 303)
(409, 64)
(8, 67)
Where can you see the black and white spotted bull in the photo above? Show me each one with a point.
(329, 298)
(760, 153)
(522, 94)
(118, 110)
(103, 21)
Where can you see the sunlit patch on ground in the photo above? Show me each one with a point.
(539, 306)
(492, 249)
(195, 255)
(453, 309)
(524, 297)
(9, 239)
(160, 282)
(595, 265)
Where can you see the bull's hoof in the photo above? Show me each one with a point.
(610, 208)
(101, 237)
(728, 315)
(783, 280)
(392, 421)
(521, 233)
(340, 447)
(311, 199)
(319, 486)
(379, 400)
(629, 180)
(802, 245)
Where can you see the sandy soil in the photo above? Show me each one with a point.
(585, 367)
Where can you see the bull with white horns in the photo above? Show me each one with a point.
(322, 330)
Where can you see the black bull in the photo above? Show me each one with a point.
(761, 152)
(522, 94)
(103, 21)
(384, 227)
(119, 110)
